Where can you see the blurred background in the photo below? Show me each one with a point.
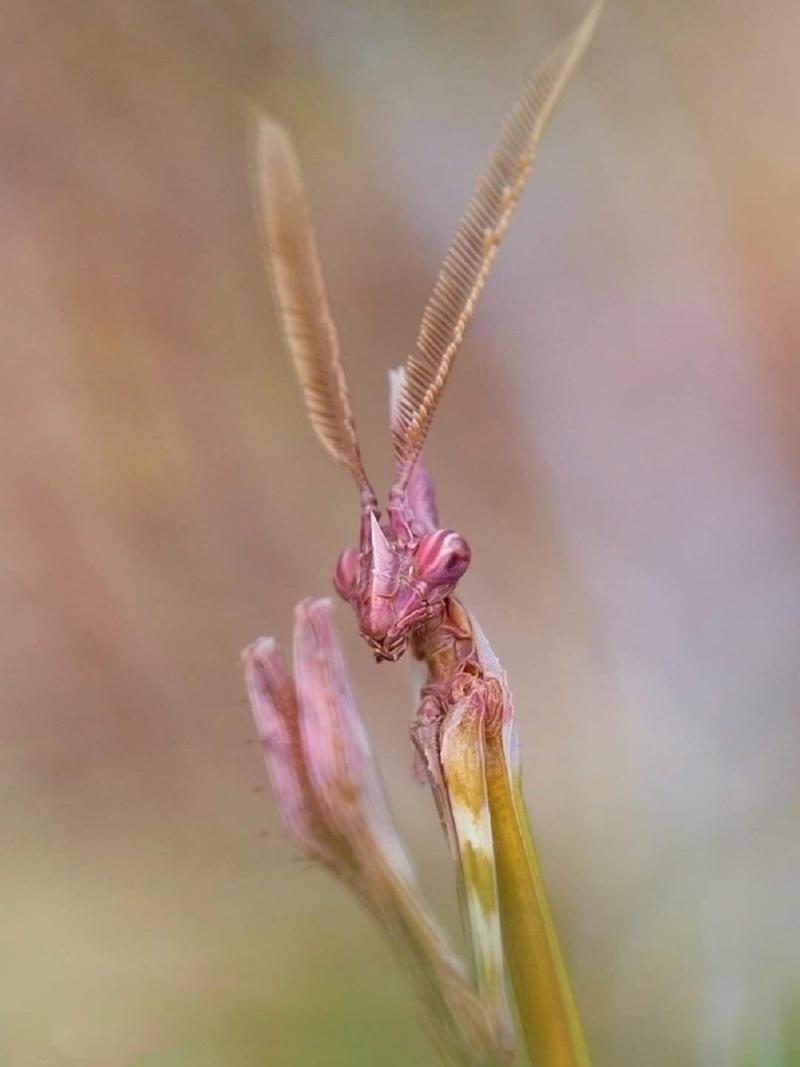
(620, 443)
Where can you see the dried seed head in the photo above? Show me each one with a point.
(333, 805)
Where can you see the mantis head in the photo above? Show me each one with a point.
(403, 570)
(398, 579)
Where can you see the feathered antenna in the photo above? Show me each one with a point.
(472, 253)
(302, 300)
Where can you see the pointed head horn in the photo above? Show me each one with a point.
(379, 546)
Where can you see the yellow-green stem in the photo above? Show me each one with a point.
(547, 1013)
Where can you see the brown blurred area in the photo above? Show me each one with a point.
(619, 443)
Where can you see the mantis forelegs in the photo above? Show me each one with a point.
(463, 761)
(473, 768)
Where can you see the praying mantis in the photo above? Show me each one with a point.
(400, 580)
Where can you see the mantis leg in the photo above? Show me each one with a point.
(463, 754)
(478, 753)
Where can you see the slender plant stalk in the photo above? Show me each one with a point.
(546, 1008)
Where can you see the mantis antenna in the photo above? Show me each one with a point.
(474, 248)
(302, 299)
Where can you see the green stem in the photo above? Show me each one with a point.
(547, 1012)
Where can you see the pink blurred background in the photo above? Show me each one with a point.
(619, 443)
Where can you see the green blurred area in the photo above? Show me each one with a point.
(619, 444)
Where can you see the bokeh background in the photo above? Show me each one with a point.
(620, 443)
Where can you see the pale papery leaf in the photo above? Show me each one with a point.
(273, 702)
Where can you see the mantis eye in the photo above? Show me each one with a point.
(442, 557)
(345, 577)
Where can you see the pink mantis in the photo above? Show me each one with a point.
(400, 579)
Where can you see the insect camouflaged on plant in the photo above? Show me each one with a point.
(401, 577)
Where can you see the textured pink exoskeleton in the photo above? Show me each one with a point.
(400, 579)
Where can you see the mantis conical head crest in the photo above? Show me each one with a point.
(399, 579)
